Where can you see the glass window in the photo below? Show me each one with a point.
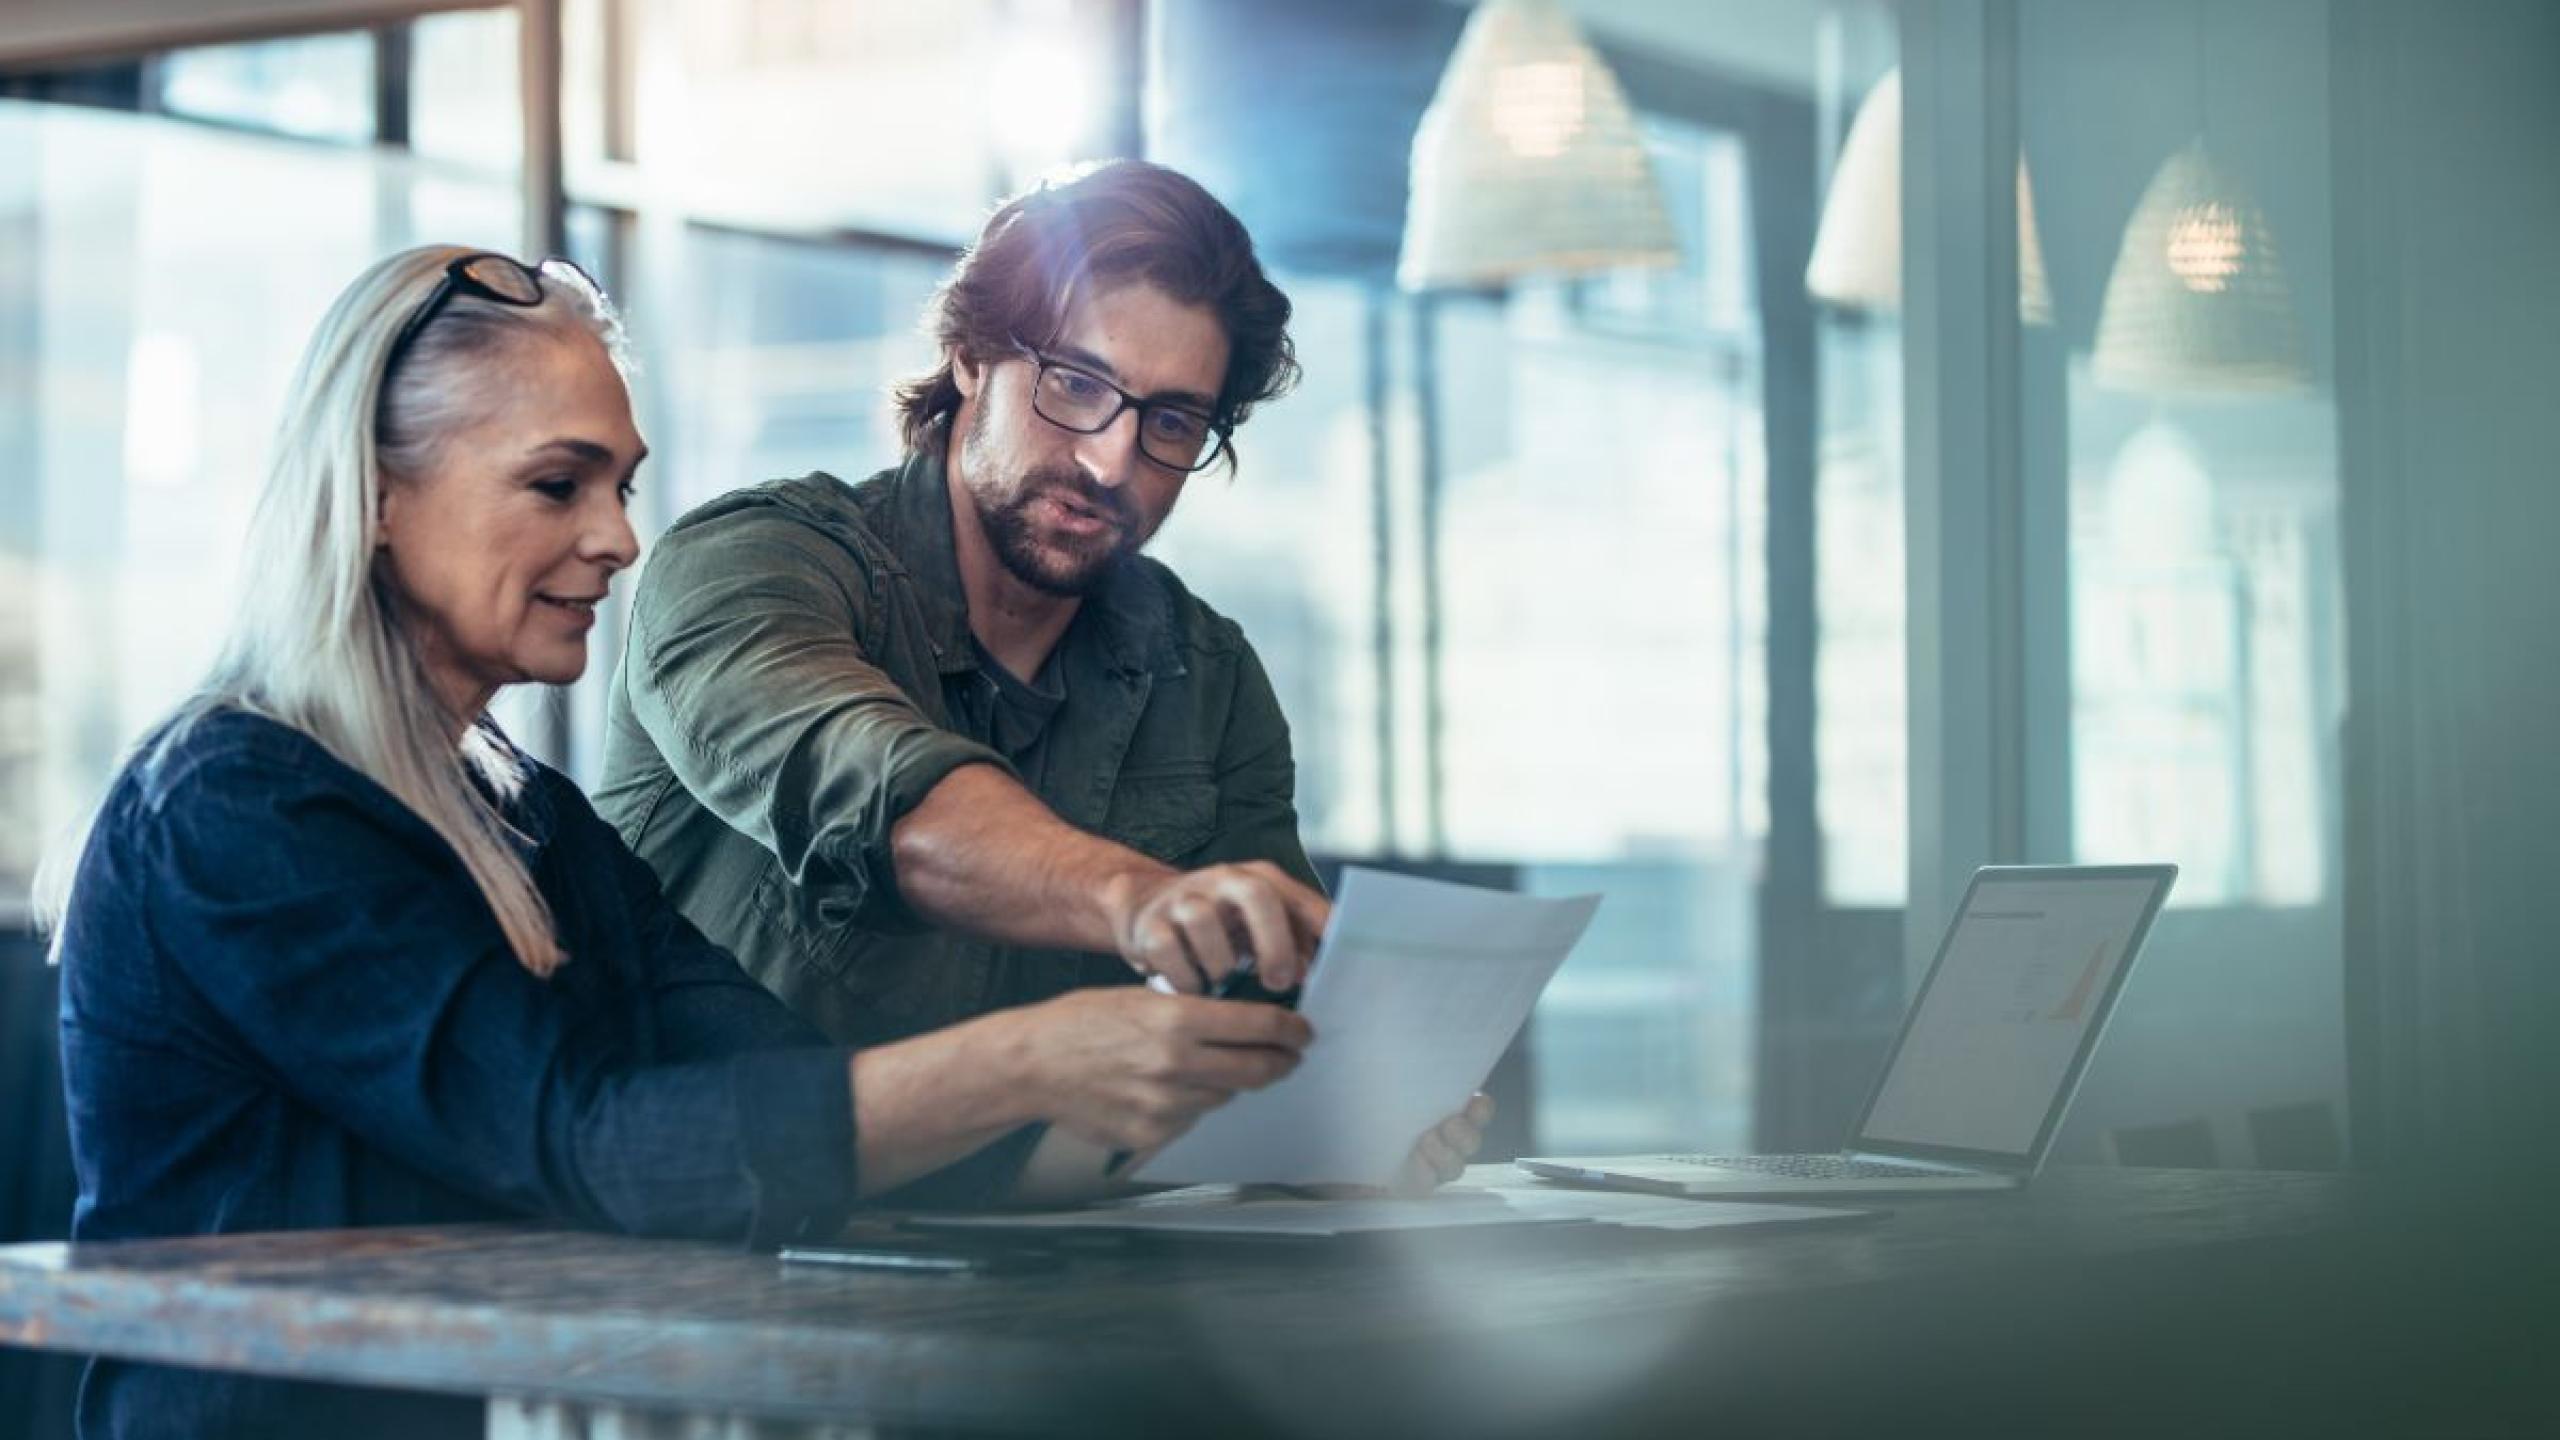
(757, 358)
(465, 96)
(151, 318)
(813, 115)
(2182, 199)
(1287, 549)
(1861, 710)
(315, 87)
(1600, 628)
(2190, 245)
(1603, 628)
(763, 357)
(2204, 691)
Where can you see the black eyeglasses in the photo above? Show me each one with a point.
(1173, 435)
(487, 275)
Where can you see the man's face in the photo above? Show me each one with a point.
(1060, 509)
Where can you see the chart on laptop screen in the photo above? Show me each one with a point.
(2021, 984)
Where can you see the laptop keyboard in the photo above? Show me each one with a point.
(1811, 1167)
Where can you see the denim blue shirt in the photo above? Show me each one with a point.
(286, 1006)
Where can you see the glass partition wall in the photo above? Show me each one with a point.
(2184, 167)
(2125, 530)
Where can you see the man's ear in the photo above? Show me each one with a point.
(967, 374)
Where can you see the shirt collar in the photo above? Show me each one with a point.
(919, 516)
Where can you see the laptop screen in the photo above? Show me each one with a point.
(2011, 1010)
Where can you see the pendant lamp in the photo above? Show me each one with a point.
(2198, 300)
(1857, 250)
(1528, 161)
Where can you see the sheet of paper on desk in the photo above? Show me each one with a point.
(1656, 1212)
(1221, 1210)
(1359, 1215)
(1417, 988)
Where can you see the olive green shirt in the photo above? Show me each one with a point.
(799, 672)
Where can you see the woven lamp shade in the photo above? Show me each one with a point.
(1528, 161)
(1857, 251)
(2198, 300)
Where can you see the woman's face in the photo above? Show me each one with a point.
(505, 546)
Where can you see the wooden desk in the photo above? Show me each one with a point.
(2134, 1301)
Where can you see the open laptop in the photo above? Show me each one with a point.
(1987, 1060)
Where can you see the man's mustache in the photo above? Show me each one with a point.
(1109, 503)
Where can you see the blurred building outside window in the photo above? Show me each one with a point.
(465, 92)
(158, 310)
(1604, 666)
(818, 117)
(1861, 711)
(317, 87)
(2205, 683)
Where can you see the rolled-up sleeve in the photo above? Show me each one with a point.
(357, 961)
(747, 670)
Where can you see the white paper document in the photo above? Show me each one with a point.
(1655, 1212)
(1222, 1212)
(1416, 990)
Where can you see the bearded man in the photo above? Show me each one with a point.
(944, 741)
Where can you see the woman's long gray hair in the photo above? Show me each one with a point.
(321, 641)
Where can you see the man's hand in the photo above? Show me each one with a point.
(1441, 1155)
(983, 855)
(1191, 927)
(1129, 1070)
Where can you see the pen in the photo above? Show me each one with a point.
(1227, 983)
(1219, 989)
(925, 1262)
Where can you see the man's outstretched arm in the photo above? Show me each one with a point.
(746, 671)
(981, 853)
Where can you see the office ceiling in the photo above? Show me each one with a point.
(64, 32)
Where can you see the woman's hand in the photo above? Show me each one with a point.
(1129, 1069)
(1441, 1155)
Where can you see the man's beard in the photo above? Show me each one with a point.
(1064, 566)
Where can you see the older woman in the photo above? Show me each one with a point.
(336, 953)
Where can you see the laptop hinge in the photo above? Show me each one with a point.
(1915, 1161)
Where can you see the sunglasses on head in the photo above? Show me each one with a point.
(486, 275)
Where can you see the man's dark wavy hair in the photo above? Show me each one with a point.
(1091, 231)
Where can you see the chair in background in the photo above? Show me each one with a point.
(2304, 1136)
(36, 1184)
(2176, 1145)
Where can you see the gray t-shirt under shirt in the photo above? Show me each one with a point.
(991, 706)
